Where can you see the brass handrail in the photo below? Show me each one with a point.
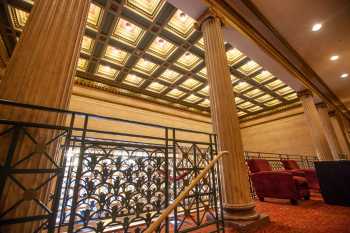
(184, 193)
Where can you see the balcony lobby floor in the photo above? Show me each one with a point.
(313, 216)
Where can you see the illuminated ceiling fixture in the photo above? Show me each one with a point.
(94, 16)
(161, 48)
(205, 103)
(249, 68)
(264, 76)
(192, 98)
(127, 32)
(203, 72)
(234, 56)
(82, 64)
(146, 67)
(345, 75)
(190, 84)
(133, 80)
(175, 93)
(200, 43)
(148, 9)
(115, 55)
(19, 18)
(181, 24)
(170, 76)
(188, 61)
(334, 57)
(156, 87)
(106, 72)
(87, 45)
(316, 27)
(182, 16)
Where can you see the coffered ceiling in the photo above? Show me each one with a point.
(151, 50)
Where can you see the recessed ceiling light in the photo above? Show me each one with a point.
(345, 75)
(334, 57)
(316, 27)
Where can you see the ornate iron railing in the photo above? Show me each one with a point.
(98, 180)
(304, 161)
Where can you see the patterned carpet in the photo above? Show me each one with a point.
(313, 216)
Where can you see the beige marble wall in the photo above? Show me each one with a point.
(284, 132)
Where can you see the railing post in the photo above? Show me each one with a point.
(214, 186)
(78, 176)
(167, 176)
(174, 175)
(60, 177)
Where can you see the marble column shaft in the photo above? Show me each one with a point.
(340, 134)
(313, 121)
(237, 201)
(329, 131)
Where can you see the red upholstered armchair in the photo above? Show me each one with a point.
(310, 174)
(277, 184)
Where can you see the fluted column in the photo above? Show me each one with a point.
(40, 72)
(328, 130)
(237, 201)
(4, 57)
(340, 134)
(313, 121)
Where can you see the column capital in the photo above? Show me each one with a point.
(305, 93)
(207, 15)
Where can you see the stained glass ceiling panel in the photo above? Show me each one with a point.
(152, 50)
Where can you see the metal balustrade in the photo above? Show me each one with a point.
(115, 180)
(102, 180)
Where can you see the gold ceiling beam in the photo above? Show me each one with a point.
(282, 52)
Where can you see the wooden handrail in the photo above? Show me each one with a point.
(184, 193)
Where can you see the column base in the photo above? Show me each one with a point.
(246, 226)
(243, 217)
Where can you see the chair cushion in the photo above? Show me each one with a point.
(259, 165)
(290, 164)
